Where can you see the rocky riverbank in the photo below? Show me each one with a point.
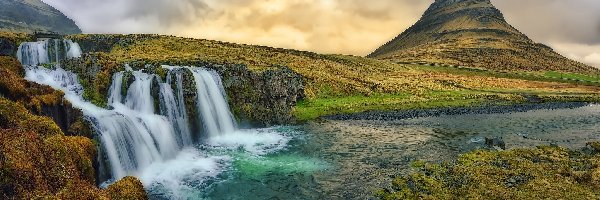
(436, 112)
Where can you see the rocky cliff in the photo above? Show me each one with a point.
(34, 15)
(472, 33)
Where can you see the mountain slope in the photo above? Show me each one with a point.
(472, 33)
(34, 15)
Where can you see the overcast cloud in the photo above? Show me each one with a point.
(356, 27)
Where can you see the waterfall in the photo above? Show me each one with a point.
(47, 51)
(172, 105)
(33, 53)
(142, 127)
(73, 49)
(214, 111)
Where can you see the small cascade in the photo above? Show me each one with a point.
(47, 51)
(73, 49)
(214, 110)
(33, 53)
(146, 124)
(172, 105)
(115, 92)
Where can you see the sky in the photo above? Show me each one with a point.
(357, 27)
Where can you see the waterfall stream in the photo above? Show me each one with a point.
(149, 135)
(134, 134)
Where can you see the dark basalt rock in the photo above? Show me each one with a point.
(261, 98)
(7, 48)
(69, 119)
(495, 142)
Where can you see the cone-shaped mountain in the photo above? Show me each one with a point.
(472, 33)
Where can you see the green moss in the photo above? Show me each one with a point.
(16, 37)
(547, 172)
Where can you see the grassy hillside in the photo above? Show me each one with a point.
(348, 84)
(34, 15)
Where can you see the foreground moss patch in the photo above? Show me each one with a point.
(546, 172)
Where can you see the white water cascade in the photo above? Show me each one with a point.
(134, 134)
(47, 51)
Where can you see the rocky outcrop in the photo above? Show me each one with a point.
(7, 48)
(40, 100)
(262, 98)
(472, 33)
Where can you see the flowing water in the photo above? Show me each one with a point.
(149, 136)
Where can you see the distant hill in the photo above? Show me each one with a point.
(472, 33)
(34, 15)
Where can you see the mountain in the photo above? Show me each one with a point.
(472, 33)
(34, 15)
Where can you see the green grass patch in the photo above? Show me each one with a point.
(315, 108)
(552, 76)
(572, 76)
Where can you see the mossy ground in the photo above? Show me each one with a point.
(16, 37)
(546, 172)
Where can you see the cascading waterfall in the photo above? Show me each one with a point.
(133, 135)
(146, 132)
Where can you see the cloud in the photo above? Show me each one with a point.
(326, 26)
(589, 54)
(576, 21)
(593, 58)
(131, 16)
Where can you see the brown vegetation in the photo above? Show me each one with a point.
(36, 159)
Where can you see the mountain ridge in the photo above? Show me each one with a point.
(472, 33)
(34, 15)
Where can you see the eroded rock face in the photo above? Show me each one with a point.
(262, 98)
(255, 98)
